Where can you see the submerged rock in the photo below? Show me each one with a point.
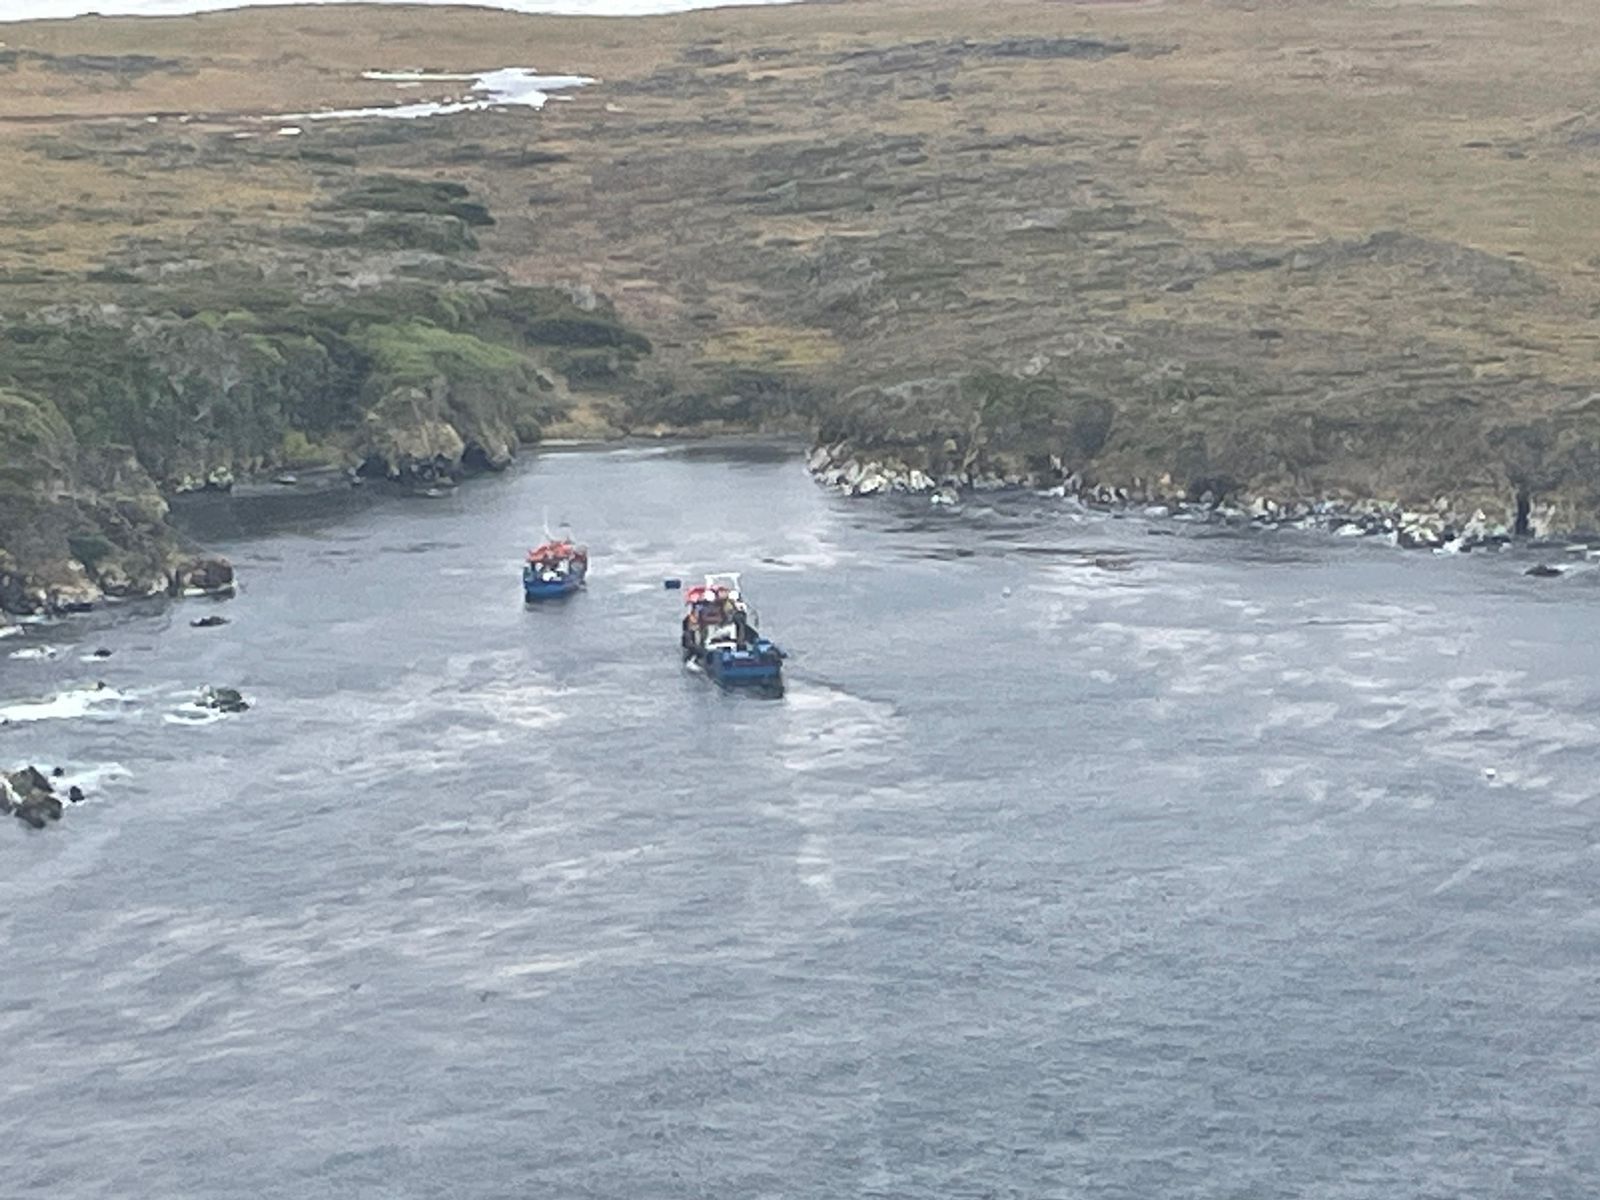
(208, 622)
(1543, 571)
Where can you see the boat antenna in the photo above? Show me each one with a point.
(547, 534)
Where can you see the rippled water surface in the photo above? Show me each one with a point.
(1076, 861)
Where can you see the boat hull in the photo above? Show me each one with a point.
(541, 589)
(736, 667)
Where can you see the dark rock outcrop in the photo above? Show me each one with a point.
(222, 699)
(208, 576)
(29, 796)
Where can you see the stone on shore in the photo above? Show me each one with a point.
(203, 576)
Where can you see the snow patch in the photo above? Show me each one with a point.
(505, 87)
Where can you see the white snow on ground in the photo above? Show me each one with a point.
(507, 87)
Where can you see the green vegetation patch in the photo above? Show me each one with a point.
(36, 442)
(418, 353)
(402, 194)
(427, 232)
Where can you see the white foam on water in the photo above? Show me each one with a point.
(44, 653)
(10, 630)
(831, 729)
(521, 704)
(41, 10)
(90, 778)
(538, 966)
(97, 703)
(195, 714)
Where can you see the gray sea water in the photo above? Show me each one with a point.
(1076, 861)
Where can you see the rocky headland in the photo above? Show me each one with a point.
(365, 340)
(1330, 263)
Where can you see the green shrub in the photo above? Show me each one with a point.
(300, 451)
(417, 352)
(91, 549)
(399, 193)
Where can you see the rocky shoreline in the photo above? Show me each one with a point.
(148, 562)
(70, 586)
(1442, 527)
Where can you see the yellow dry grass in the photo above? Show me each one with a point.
(771, 346)
(68, 215)
(1259, 124)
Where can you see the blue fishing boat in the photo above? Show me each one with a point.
(554, 569)
(719, 634)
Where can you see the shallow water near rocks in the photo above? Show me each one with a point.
(1073, 862)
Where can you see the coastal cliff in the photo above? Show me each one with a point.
(1328, 260)
(365, 341)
